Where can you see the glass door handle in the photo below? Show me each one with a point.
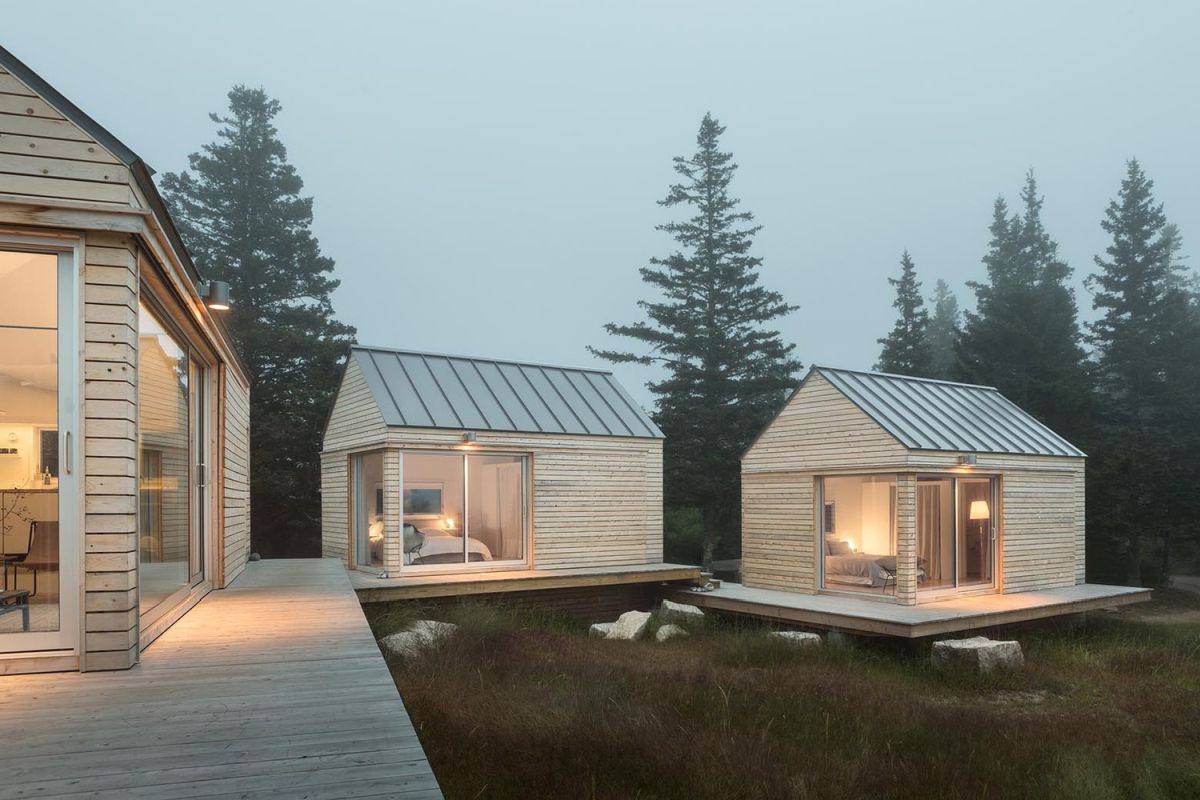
(68, 452)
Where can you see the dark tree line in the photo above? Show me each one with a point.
(726, 374)
(240, 210)
(1126, 387)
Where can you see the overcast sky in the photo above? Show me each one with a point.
(486, 175)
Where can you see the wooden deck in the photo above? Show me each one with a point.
(372, 589)
(271, 688)
(866, 616)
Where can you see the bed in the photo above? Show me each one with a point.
(849, 568)
(433, 546)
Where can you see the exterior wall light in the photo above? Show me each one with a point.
(967, 460)
(215, 295)
(469, 437)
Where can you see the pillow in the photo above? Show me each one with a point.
(837, 547)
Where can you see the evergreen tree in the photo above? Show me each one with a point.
(906, 349)
(1023, 336)
(240, 211)
(1143, 473)
(726, 375)
(943, 330)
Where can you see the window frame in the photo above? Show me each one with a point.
(527, 465)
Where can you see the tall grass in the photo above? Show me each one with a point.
(521, 705)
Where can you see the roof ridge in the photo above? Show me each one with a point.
(485, 359)
(914, 378)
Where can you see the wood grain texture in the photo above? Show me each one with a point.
(273, 687)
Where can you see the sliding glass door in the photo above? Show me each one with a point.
(38, 471)
(955, 532)
(464, 508)
(173, 464)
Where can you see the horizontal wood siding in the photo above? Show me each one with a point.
(335, 521)
(355, 422)
(237, 476)
(820, 432)
(778, 536)
(597, 500)
(820, 429)
(44, 156)
(110, 442)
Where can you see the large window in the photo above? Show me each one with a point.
(464, 508)
(858, 532)
(169, 415)
(29, 462)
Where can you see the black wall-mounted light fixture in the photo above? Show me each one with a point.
(468, 437)
(967, 460)
(215, 295)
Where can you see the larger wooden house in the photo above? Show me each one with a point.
(446, 470)
(124, 409)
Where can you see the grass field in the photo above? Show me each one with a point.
(526, 706)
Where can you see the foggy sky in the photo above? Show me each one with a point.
(486, 175)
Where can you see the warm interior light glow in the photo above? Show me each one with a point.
(448, 524)
(979, 510)
(853, 546)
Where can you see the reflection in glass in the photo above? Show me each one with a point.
(164, 437)
(29, 522)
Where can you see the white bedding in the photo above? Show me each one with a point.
(860, 569)
(435, 543)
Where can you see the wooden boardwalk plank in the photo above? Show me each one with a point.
(273, 687)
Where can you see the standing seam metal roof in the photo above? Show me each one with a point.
(427, 390)
(927, 414)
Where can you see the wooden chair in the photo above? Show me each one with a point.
(42, 553)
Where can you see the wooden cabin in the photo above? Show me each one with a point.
(446, 471)
(124, 409)
(909, 491)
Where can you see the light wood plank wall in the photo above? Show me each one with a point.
(597, 500)
(820, 432)
(109, 419)
(43, 155)
(237, 475)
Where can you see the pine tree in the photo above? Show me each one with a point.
(1023, 336)
(1143, 472)
(943, 330)
(906, 349)
(240, 211)
(726, 375)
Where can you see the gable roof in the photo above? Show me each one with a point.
(428, 390)
(925, 414)
(141, 171)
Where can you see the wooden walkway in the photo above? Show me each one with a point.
(273, 688)
(880, 617)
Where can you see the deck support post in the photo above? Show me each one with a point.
(906, 539)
